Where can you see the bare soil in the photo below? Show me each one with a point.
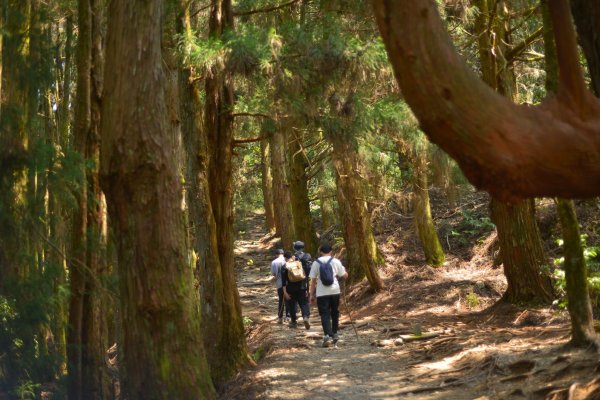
(482, 349)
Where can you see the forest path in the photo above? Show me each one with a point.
(503, 355)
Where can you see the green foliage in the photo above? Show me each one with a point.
(591, 256)
(472, 300)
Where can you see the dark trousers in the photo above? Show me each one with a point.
(300, 297)
(329, 310)
(281, 306)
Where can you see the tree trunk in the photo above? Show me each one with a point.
(95, 379)
(520, 243)
(284, 219)
(65, 98)
(442, 176)
(587, 19)
(434, 254)
(510, 150)
(328, 215)
(267, 184)
(579, 306)
(228, 351)
(163, 354)
(77, 268)
(303, 223)
(521, 252)
(355, 217)
(578, 299)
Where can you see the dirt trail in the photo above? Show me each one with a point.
(476, 356)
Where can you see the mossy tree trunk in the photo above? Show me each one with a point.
(442, 175)
(303, 223)
(228, 350)
(520, 243)
(362, 251)
(267, 184)
(284, 219)
(521, 253)
(434, 254)
(579, 305)
(163, 354)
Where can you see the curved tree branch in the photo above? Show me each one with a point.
(509, 150)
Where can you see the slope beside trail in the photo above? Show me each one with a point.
(505, 354)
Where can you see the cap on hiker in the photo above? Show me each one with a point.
(298, 245)
(325, 248)
(278, 251)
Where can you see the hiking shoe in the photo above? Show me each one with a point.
(280, 321)
(335, 338)
(306, 324)
(327, 341)
(293, 325)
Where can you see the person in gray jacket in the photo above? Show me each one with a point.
(276, 268)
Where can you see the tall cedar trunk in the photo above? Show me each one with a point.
(442, 176)
(434, 254)
(267, 183)
(521, 252)
(96, 382)
(512, 151)
(355, 216)
(77, 271)
(587, 19)
(163, 355)
(229, 352)
(303, 223)
(201, 219)
(579, 306)
(65, 98)
(520, 243)
(578, 299)
(328, 217)
(284, 219)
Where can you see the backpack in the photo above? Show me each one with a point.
(295, 271)
(326, 272)
(305, 259)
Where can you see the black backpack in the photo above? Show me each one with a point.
(326, 272)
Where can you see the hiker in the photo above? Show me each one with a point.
(325, 274)
(306, 261)
(293, 280)
(277, 265)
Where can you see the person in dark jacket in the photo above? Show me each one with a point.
(306, 261)
(295, 293)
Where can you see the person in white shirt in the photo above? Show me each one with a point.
(327, 294)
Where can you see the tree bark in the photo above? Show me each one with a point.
(434, 254)
(587, 19)
(228, 350)
(442, 176)
(284, 219)
(267, 184)
(303, 223)
(162, 347)
(507, 149)
(578, 299)
(522, 253)
(520, 243)
(362, 251)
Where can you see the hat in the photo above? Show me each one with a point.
(298, 245)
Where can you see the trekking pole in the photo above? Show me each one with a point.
(349, 312)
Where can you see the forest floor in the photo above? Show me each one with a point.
(482, 349)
